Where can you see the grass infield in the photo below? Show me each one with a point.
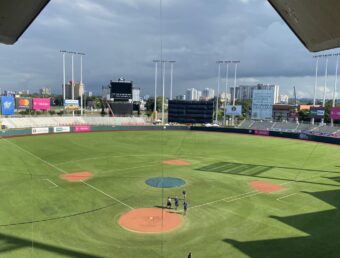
(43, 215)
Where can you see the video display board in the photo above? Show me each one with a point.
(190, 112)
(7, 105)
(121, 108)
(317, 112)
(121, 91)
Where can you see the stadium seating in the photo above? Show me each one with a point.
(28, 122)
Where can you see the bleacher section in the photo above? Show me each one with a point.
(28, 122)
(290, 127)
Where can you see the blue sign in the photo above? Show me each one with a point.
(7, 105)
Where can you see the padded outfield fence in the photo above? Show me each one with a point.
(98, 128)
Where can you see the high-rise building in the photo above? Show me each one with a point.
(180, 97)
(78, 90)
(245, 92)
(191, 94)
(45, 91)
(135, 94)
(208, 93)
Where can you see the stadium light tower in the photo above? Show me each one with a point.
(64, 75)
(171, 76)
(156, 80)
(235, 82)
(316, 83)
(226, 90)
(218, 89)
(81, 90)
(163, 89)
(324, 87)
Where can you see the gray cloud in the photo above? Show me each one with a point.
(122, 37)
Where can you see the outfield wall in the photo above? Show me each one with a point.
(97, 128)
(264, 133)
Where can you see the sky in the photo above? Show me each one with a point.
(121, 38)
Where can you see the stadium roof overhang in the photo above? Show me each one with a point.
(315, 22)
(16, 16)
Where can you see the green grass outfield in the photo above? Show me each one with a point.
(225, 218)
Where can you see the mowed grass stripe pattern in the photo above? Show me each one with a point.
(73, 220)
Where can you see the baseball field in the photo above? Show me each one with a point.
(89, 195)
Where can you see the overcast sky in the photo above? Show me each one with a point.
(122, 37)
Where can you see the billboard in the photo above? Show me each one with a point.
(7, 105)
(335, 113)
(121, 91)
(71, 104)
(262, 107)
(40, 130)
(190, 112)
(82, 128)
(23, 103)
(233, 110)
(41, 103)
(317, 112)
(62, 129)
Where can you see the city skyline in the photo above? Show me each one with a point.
(255, 34)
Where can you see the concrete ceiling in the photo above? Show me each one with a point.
(16, 16)
(315, 22)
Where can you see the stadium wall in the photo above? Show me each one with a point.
(92, 128)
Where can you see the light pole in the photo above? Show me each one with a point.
(335, 83)
(234, 93)
(171, 76)
(81, 85)
(226, 90)
(156, 80)
(316, 84)
(324, 88)
(218, 89)
(64, 75)
(163, 89)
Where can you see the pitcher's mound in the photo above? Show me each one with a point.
(76, 177)
(178, 162)
(265, 187)
(150, 220)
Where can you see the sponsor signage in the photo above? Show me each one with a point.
(335, 113)
(41, 103)
(262, 107)
(261, 132)
(7, 105)
(62, 129)
(40, 130)
(82, 128)
(71, 104)
(317, 112)
(233, 110)
(23, 103)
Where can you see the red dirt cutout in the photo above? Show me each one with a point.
(76, 177)
(265, 187)
(177, 162)
(149, 220)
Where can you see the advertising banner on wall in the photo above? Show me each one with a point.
(317, 112)
(62, 129)
(23, 103)
(41, 104)
(82, 128)
(40, 130)
(7, 105)
(71, 104)
(233, 110)
(262, 107)
(335, 113)
(261, 132)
